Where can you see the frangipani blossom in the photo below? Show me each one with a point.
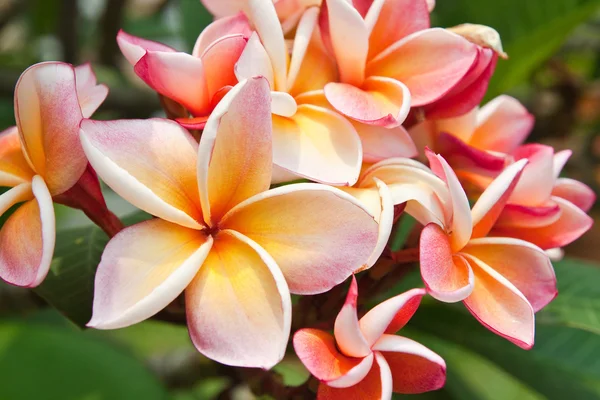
(502, 281)
(40, 158)
(195, 82)
(234, 247)
(364, 359)
(544, 209)
(388, 60)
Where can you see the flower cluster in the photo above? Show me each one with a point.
(375, 110)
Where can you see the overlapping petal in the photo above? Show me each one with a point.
(239, 306)
(90, 94)
(379, 143)
(348, 335)
(573, 191)
(370, 387)
(14, 168)
(134, 48)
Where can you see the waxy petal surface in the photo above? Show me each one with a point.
(571, 190)
(235, 24)
(134, 48)
(346, 330)
(90, 94)
(143, 269)
(239, 306)
(219, 62)
(14, 168)
(254, 61)
(318, 235)
(537, 180)
(381, 143)
(150, 163)
(367, 388)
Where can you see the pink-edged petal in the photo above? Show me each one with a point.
(317, 234)
(343, 25)
(178, 76)
(518, 216)
(219, 61)
(143, 269)
(490, 204)
(414, 368)
(302, 40)
(381, 143)
(27, 237)
(254, 61)
(346, 330)
(537, 180)
(571, 224)
(503, 124)
(318, 352)
(469, 92)
(525, 265)
(391, 20)
(134, 48)
(238, 306)
(575, 192)
(235, 24)
(379, 101)
(461, 127)
(500, 306)
(90, 94)
(466, 157)
(223, 8)
(560, 160)
(48, 116)
(14, 168)
(447, 276)
(369, 387)
(460, 221)
(263, 15)
(391, 315)
(150, 163)
(235, 156)
(430, 62)
(318, 144)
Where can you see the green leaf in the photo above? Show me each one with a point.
(69, 286)
(46, 362)
(401, 231)
(531, 30)
(292, 371)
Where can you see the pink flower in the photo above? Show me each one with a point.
(234, 247)
(364, 358)
(40, 158)
(502, 281)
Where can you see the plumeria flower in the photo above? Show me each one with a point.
(502, 281)
(234, 247)
(41, 158)
(389, 60)
(364, 358)
(545, 209)
(191, 84)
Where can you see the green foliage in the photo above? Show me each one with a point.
(531, 30)
(194, 18)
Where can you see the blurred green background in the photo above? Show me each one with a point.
(554, 68)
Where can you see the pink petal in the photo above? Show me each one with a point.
(460, 219)
(254, 61)
(150, 163)
(575, 192)
(537, 180)
(318, 144)
(48, 116)
(525, 265)
(178, 76)
(414, 368)
(223, 8)
(348, 335)
(379, 101)
(429, 62)
(447, 277)
(235, 24)
(571, 224)
(391, 315)
(235, 154)
(219, 61)
(500, 306)
(370, 387)
(380, 143)
(560, 160)
(302, 40)
(466, 157)
(14, 168)
(317, 234)
(515, 215)
(239, 306)
(392, 20)
(319, 354)
(343, 25)
(503, 125)
(490, 204)
(28, 235)
(143, 269)
(90, 94)
(134, 48)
